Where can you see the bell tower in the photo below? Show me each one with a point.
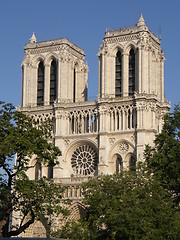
(131, 77)
(53, 71)
(131, 60)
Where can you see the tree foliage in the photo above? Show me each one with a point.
(130, 205)
(21, 138)
(164, 158)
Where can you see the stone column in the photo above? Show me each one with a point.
(24, 85)
(101, 120)
(130, 112)
(59, 94)
(107, 121)
(162, 80)
(115, 120)
(139, 71)
(99, 78)
(102, 76)
(144, 70)
(124, 119)
(83, 128)
(63, 81)
(34, 85)
(57, 119)
(149, 72)
(125, 74)
(69, 80)
(113, 75)
(104, 120)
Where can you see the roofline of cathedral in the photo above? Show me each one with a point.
(54, 42)
(134, 29)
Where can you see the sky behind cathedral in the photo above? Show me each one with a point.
(83, 23)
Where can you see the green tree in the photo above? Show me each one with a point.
(21, 138)
(164, 158)
(130, 205)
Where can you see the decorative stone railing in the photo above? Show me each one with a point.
(90, 117)
(93, 120)
(73, 189)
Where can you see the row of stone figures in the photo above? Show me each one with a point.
(91, 121)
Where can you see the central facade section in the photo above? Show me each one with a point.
(103, 136)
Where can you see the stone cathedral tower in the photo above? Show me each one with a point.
(102, 136)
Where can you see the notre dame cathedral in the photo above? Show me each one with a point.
(102, 136)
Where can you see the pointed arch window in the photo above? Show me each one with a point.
(38, 171)
(118, 81)
(131, 72)
(119, 164)
(53, 81)
(132, 163)
(40, 86)
(50, 170)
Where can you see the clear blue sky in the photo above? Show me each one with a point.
(84, 23)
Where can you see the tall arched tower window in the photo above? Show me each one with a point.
(74, 82)
(40, 86)
(74, 85)
(131, 72)
(118, 82)
(53, 81)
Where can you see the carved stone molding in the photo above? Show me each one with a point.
(132, 138)
(67, 142)
(122, 38)
(112, 140)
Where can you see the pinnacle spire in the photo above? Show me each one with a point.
(33, 38)
(141, 21)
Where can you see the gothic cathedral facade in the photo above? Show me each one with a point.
(108, 134)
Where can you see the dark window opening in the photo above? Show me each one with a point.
(129, 119)
(38, 171)
(131, 72)
(53, 81)
(119, 164)
(118, 81)
(132, 163)
(50, 170)
(40, 87)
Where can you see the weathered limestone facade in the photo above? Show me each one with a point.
(102, 136)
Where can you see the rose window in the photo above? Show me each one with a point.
(123, 147)
(84, 160)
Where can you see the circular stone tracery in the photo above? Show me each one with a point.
(123, 147)
(84, 160)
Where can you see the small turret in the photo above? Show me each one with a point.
(33, 38)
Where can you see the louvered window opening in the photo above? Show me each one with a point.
(131, 72)
(118, 82)
(40, 87)
(53, 82)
